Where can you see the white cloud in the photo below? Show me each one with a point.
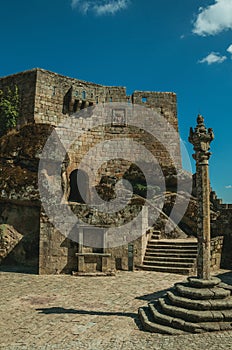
(80, 5)
(213, 57)
(100, 7)
(214, 19)
(229, 49)
(229, 186)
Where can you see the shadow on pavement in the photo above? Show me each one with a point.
(19, 269)
(61, 310)
(155, 295)
(226, 277)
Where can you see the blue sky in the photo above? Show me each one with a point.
(160, 45)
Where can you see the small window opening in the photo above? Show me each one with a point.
(144, 99)
(83, 95)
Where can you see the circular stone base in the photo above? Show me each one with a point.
(200, 283)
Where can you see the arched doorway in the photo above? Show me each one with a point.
(79, 186)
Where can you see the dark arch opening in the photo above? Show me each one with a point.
(79, 180)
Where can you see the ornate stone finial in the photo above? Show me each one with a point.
(200, 119)
(201, 138)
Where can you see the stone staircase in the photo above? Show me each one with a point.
(170, 255)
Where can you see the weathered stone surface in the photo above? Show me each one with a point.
(201, 283)
(49, 99)
(187, 314)
(201, 293)
(19, 156)
(201, 139)
(188, 303)
(9, 238)
(198, 304)
(156, 327)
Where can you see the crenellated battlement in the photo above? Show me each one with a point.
(47, 96)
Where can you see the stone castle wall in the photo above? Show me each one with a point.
(57, 95)
(49, 99)
(26, 83)
(58, 254)
(222, 226)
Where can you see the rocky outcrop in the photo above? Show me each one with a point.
(19, 159)
(19, 196)
(9, 238)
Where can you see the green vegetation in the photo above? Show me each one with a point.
(9, 109)
(142, 190)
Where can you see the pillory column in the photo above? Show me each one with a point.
(201, 139)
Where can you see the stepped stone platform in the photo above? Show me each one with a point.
(195, 306)
(171, 255)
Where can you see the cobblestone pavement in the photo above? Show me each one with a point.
(91, 313)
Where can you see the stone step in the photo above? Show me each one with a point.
(196, 282)
(157, 321)
(181, 244)
(194, 304)
(194, 315)
(167, 263)
(201, 293)
(170, 254)
(166, 320)
(156, 232)
(156, 236)
(170, 251)
(169, 259)
(169, 242)
(177, 270)
(149, 325)
(168, 247)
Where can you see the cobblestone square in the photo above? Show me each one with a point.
(94, 313)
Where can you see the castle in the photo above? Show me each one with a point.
(48, 101)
